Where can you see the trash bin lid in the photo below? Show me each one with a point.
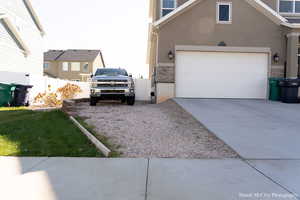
(290, 83)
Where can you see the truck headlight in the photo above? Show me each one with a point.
(94, 84)
(130, 84)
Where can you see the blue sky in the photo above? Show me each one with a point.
(118, 27)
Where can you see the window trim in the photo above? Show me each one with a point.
(288, 13)
(161, 7)
(79, 67)
(62, 67)
(88, 65)
(218, 12)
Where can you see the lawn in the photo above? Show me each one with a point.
(31, 133)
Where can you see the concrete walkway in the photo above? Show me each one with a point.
(147, 179)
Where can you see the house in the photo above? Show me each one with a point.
(222, 48)
(73, 64)
(21, 34)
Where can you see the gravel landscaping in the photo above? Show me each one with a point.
(148, 130)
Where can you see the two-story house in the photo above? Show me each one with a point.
(222, 48)
(21, 34)
(73, 64)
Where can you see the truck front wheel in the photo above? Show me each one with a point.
(93, 101)
(131, 100)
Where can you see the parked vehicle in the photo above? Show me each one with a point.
(112, 84)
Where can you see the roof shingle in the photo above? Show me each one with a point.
(71, 55)
(52, 55)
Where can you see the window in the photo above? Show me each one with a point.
(224, 12)
(75, 66)
(167, 6)
(46, 65)
(65, 66)
(86, 67)
(289, 6)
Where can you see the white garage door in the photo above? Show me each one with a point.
(221, 75)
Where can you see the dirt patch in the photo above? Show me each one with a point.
(148, 130)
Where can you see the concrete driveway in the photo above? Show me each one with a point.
(256, 129)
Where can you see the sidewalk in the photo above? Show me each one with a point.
(150, 179)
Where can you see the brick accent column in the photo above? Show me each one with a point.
(292, 55)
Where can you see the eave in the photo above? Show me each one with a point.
(35, 17)
(16, 33)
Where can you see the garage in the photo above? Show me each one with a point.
(221, 72)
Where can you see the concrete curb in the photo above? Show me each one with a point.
(92, 138)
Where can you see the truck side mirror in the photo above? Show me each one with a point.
(92, 75)
(130, 75)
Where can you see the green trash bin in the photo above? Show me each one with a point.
(274, 94)
(6, 94)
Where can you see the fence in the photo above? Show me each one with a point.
(42, 84)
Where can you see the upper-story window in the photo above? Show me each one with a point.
(167, 6)
(224, 12)
(85, 67)
(65, 66)
(289, 6)
(46, 65)
(75, 66)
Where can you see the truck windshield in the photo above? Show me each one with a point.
(111, 72)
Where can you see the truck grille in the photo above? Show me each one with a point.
(112, 91)
(112, 85)
(122, 81)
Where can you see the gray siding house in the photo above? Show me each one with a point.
(221, 48)
(21, 35)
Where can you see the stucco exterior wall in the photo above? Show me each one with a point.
(97, 64)
(73, 75)
(12, 58)
(52, 69)
(198, 26)
(56, 69)
(272, 3)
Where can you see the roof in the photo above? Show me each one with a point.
(257, 4)
(79, 55)
(52, 55)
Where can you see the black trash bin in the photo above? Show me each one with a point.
(21, 95)
(290, 90)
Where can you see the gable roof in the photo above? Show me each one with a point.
(257, 4)
(52, 55)
(13, 31)
(78, 55)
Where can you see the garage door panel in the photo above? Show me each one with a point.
(221, 75)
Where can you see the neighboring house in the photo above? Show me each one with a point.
(21, 35)
(222, 48)
(75, 65)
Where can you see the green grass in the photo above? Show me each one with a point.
(103, 139)
(31, 133)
